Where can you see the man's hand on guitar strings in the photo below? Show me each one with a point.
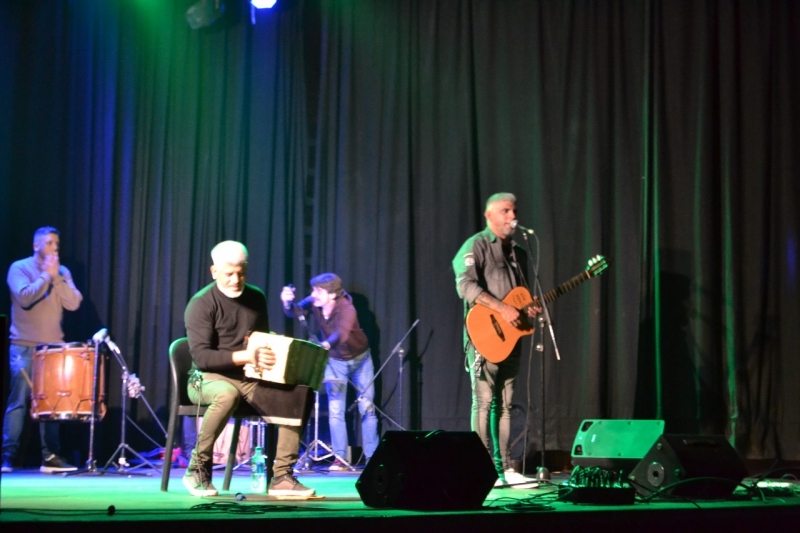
(510, 314)
(533, 310)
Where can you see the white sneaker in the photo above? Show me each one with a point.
(518, 481)
(198, 482)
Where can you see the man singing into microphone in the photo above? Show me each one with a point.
(41, 288)
(488, 265)
(337, 329)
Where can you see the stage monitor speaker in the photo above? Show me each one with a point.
(420, 470)
(690, 466)
(617, 445)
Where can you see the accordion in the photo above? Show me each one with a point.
(297, 362)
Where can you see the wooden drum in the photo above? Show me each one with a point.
(63, 380)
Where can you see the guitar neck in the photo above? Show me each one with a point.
(563, 288)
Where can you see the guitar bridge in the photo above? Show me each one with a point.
(497, 328)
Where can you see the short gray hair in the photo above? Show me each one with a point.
(230, 253)
(500, 197)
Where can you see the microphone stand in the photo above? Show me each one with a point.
(542, 473)
(132, 387)
(312, 452)
(400, 354)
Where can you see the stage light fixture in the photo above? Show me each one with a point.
(262, 4)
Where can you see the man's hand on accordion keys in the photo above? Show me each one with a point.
(263, 358)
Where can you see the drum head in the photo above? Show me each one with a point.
(62, 346)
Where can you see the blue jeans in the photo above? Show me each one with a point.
(492, 394)
(360, 372)
(21, 358)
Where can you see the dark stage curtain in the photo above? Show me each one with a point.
(659, 134)
(147, 142)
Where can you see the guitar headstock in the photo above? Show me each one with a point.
(596, 266)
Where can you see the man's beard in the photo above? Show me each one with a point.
(230, 293)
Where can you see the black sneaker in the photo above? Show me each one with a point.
(198, 481)
(7, 466)
(288, 485)
(55, 464)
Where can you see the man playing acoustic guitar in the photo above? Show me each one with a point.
(487, 267)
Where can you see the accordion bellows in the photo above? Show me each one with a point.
(298, 362)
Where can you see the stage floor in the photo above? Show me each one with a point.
(91, 502)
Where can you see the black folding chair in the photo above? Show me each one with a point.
(180, 362)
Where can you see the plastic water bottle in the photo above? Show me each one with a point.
(258, 472)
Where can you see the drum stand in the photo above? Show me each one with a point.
(130, 387)
(91, 465)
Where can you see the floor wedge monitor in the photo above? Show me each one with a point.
(421, 470)
(690, 466)
(617, 445)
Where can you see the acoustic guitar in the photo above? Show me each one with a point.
(494, 338)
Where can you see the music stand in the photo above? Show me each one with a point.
(397, 349)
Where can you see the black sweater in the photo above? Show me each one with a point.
(217, 326)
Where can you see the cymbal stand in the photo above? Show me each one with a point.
(130, 387)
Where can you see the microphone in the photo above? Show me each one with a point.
(306, 302)
(516, 225)
(101, 335)
(111, 344)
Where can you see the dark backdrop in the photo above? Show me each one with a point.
(363, 137)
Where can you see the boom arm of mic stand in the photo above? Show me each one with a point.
(113, 348)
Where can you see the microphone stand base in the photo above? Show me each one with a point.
(542, 474)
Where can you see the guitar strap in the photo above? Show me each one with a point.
(478, 364)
